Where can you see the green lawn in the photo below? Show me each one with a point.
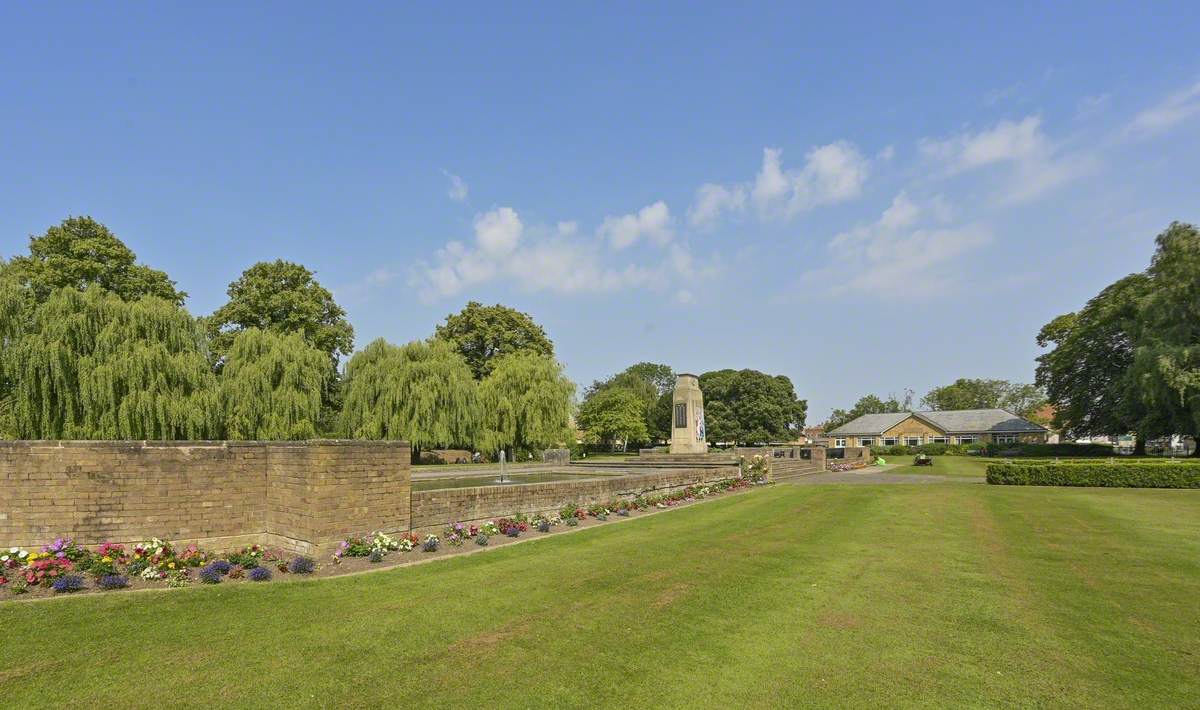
(941, 595)
(964, 466)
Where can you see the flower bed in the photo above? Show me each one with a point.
(62, 567)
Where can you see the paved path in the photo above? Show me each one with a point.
(876, 474)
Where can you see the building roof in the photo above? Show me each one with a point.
(961, 421)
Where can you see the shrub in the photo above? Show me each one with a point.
(568, 511)
(570, 521)
(481, 539)
(180, 578)
(543, 526)
(376, 556)
(260, 574)
(222, 566)
(19, 586)
(302, 565)
(236, 572)
(623, 512)
(431, 543)
(248, 557)
(210, 575)
(68, 583)
(1118, 475)
(113, 581)
(513, 531)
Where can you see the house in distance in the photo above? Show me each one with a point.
(963, 426)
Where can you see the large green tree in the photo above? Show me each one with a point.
(748, 406)
(89, 365)
(526, 403)
(282, 297)
(422, 392)
(483, 334)
(615, 414)
(1087, 371)
(1167, 359)
(271, 386)
(81, 252)
(649, 383)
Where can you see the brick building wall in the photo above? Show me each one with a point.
(433, 510)
(303, 496)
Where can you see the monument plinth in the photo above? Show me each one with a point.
(687, 417)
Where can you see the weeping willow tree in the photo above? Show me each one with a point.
(87, 365)
(15, 303)
(271, 386)
(526, 402)
(422, 392)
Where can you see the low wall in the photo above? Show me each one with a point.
(302, 496)
(433, 510)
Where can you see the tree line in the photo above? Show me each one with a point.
(740, 406)
(94, 345)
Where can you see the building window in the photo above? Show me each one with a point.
(681, 416)
(839, 443)
(966, 439)
(866, 441)
(937, 439)
(912, 441)
(1004, 438)
(889, 441)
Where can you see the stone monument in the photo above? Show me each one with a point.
(687, 417)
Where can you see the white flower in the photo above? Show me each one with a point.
(23, 553)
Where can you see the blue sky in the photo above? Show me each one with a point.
(865, 199)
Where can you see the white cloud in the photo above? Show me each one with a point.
(1175, 109)
(887, 153)
(498, 231)
(550, 259)
(458, 187)
(831, 173)
(1006, 142)
(1037, 165)
(910, 251)
(652, 221)
(711, 200)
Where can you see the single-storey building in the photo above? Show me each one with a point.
(963, 426)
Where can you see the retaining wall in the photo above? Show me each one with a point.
(432, 510)
(302, 496)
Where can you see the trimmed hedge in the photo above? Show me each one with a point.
(1001, 450)
(1122, 475)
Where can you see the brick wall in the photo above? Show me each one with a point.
(303, 496)
(433, 510)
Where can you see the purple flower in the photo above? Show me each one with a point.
(68, 583)
(260, 574)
